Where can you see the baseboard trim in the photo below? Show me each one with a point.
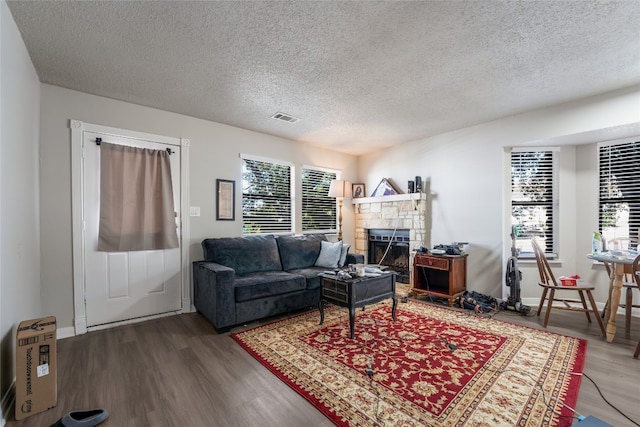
(8, 400)
(186, 306)
(533, 303)
(80, 325)
(67, 332)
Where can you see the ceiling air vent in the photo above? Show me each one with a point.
(285, 117)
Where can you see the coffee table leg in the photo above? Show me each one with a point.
(393, 308)
(352, 320)
(321, 308)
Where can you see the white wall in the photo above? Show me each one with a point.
(468, 174)
(19, 208)
(214, 153)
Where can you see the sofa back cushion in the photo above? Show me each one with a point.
(299, 251)
(249, 254)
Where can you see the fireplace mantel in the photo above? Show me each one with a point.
(392, 198)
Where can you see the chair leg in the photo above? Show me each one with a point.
(549, 304)
(595, 312)
(604, 310)
(627, 310)
(544, 296)
(584, 305)
(637, 353)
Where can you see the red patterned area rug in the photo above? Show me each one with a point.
(433, 367)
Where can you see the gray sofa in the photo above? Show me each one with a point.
(243, 279)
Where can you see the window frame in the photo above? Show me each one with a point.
(633, 187)
(290, 199)
(552, 204)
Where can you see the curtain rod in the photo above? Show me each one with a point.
(99, 141)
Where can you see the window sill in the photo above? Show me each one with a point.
(529, 256)
(532, 261)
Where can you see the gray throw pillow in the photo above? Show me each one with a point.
(329, 254)
(343, 254)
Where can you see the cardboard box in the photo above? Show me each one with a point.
(36, 376)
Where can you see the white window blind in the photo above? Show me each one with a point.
(318, 209)
(619, 213)
(266, 197)
(533, 199)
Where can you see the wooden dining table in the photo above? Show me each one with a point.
(620, 262)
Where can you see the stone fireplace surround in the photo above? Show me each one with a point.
(402, 211)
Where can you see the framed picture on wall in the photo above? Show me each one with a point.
(225, 200)
(358, 190)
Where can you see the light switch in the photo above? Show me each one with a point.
(194, 210)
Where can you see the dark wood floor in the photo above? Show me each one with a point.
(177, 371)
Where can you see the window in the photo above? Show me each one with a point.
(266, 196)
(619, 213)
(318, 209)
(534, 176)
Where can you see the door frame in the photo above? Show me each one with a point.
(77, 202)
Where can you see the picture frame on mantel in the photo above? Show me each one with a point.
(384, 188)
(358, 190)
(225, 200)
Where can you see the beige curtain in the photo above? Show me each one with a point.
(136, 200)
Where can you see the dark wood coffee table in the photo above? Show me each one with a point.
(357, 292)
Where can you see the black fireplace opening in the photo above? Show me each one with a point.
(390, 248)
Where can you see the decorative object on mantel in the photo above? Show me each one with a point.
(411, 187)
(358, 190)
(340, 189)
(418, 187)
(385, 188)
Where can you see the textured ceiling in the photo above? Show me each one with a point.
(360, 75)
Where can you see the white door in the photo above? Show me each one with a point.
(126, 285)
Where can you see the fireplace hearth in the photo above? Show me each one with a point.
(390, 248)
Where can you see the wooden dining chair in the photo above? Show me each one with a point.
(631, 281)
(636, 276)
(550, 287)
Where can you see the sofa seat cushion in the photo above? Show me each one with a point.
(299, 251)
(249, 254)
(311, 275)
(260, 285)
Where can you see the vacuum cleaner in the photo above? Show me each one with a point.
(513, 276)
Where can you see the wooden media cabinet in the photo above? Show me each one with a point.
(443, 276)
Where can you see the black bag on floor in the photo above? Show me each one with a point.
(478, 302)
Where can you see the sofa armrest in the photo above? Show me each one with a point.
(213, 293)
(354, 259)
